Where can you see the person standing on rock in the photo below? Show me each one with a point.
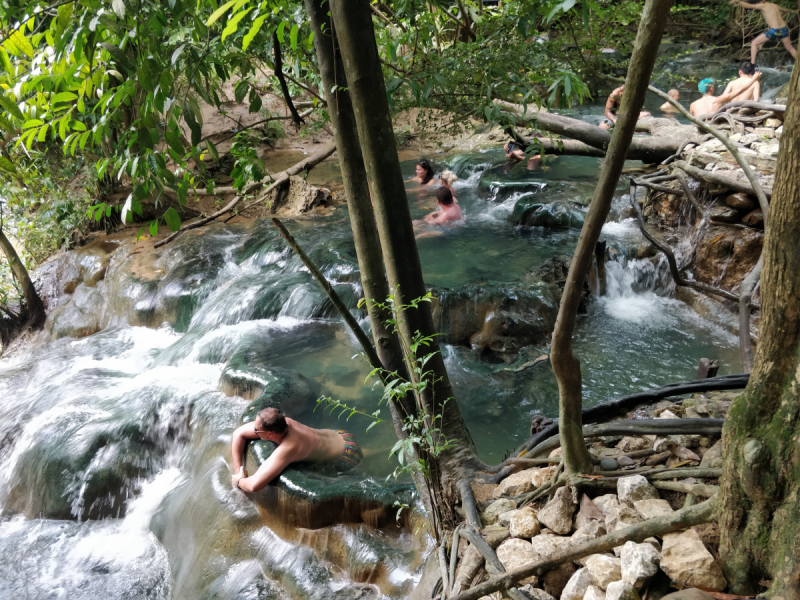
(295, 443)
(746, 72)
(710, 103)
(776, 27)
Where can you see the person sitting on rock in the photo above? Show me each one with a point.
(667, 107)
(746, 72)
(515, 153)
(776, 27)
(295, 443)
(424, 174)
(612, 107)
(710, 103)
(448, 210)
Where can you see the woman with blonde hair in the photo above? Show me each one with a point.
(447, 179)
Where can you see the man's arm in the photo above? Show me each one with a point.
(609, 105)
(757, 90)
(746, 5)
(268, 471)
(725, 98)
(240, 437)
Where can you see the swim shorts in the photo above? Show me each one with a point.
(779, 33)
(352, 452)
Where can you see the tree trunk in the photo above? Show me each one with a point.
(354, 176)
(36, 314)
(276, 46)
(761, 473)
(354, 29)
(565, 365)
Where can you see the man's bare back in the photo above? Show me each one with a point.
(297, 443)
(741, 86)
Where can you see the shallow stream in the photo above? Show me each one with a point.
(114, 447)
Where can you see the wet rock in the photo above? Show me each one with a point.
(588, 512)
(552, 270)
(633, 488)
(639, 563)
(685, 559)
(577, 585)
(594, 593)
(504, 317)
(294, 199)
(557, 514)
(652, 507)
(80, 317)
(609, 464)
(525, 207)
(535, 593)
(514, 553)
(754, 219)
(741, 202)
(604, 569)
(495, 509)
(555, 215)
(496, 187)
(723, 214)
(724, 261)
(712, 459)
(523, 523)
(621, 590)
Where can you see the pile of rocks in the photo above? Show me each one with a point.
(535, 533)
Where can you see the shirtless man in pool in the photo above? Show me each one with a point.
(295, 442)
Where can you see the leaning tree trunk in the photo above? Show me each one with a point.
(36, 314)
(761, 438)
(356, 37)
(362, 218)
(565, 365)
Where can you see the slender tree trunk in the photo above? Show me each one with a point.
(565, 365)
(276, 47)
(35, 305)
(761, 439)
(367, 89)
(354, 175)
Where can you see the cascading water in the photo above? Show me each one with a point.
(114, 447)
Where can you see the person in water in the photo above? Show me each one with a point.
(746, 72)
(448, 178)
(295, 442)
(612, 107)
(776, 27)
(710, 103)
(667, 107)
(513, 152)
(448, 210)
(424, 174)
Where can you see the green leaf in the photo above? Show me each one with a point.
(5, 62)
(255, 105)
(253, 31)
(177, 54)
(32, 123)
(63, 97)
(43, 133)
(240, 91)
(10, 106)
(281, 27)
(212, 149)
(233, 23)
(293, 36)
(219, 12)
(172, 219)
(78, 126)
(154, 228)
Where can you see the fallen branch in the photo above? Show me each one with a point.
(280, 179)
(681, 519)
(696, 489)
(716, 178)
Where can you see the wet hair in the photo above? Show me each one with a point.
(448, 178)
(747, 68)
(428, 170)
(673, 93)
(705, 84)
(444, 196)
(272, 420)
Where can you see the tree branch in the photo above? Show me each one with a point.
(276, 46)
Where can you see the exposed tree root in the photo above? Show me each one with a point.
(717, 178)
(694, 515)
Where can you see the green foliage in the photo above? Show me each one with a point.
(714, 15)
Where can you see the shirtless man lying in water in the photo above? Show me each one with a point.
(295, 442)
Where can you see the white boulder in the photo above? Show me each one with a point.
(514, 553)
(687, 562)
(594, 593)
(577, 585)
(523, 523)
(557, 514)
(604, 569)
(652, 507)
(639, 563)
(495, 509)
(621, 590)
(633, 488)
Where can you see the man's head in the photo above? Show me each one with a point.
(270, 420)
(747, 68)
(674, 94)
(706, 86)
(444, 196)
